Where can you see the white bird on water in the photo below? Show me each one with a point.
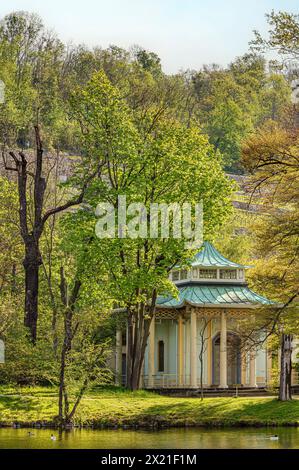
(274, 438)
(53, 438)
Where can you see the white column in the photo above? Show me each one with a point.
(223, 352)
(279, 358)
(252, 371)
(151, 355)
(209, 354)
(193, 349)
(118, 358)
(127, 350)
(268, 366)
(244, 369)
(180, 358)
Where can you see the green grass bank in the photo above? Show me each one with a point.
(111, 407)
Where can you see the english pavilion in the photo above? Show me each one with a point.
(213, 295)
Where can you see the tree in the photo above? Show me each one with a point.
(84, 306)
(148, 60)
(33, 106)
(85, 365)
(32, 226)
(149, 157)
(285, 389)
(10, 242)
(230, 103)
(283, 35)
(272, 156)
(275, 156)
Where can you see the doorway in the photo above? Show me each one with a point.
(233, 359)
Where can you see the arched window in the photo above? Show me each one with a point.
(161, 356)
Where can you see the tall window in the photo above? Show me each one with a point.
(161, 356)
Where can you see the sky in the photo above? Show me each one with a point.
(184, 33)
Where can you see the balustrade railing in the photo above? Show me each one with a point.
(172, 381)
(168, 381)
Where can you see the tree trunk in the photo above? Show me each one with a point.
(31, 263)
(285, 391)
(66, 348)
(61, 386)
(135, 358)
(64, 416)
(14, 279)
(138, 333)
(32, 228)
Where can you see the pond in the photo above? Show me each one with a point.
(196, 438)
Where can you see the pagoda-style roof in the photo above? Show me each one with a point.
(213, 295)
(212, 281)
(210, 257)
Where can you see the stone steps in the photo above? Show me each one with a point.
(216, 392)
(224, 392)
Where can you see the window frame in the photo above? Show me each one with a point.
(161, 356)
(206, 271)
(228, 271)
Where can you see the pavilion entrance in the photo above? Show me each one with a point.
(233, 359)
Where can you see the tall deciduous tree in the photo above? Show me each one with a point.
(283, 37)
(32, 65)
(272, 156)
(32, 225)
(149, 157)
(274, 153)
(230, 103)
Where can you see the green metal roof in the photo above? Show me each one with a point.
(209, 256)
(213, 294)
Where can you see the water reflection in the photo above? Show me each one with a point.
(236, 438)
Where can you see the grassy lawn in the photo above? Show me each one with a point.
(117, 407)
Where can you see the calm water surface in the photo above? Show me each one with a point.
(250, 438)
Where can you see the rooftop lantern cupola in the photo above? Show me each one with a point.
(209, 266)
(211, 280)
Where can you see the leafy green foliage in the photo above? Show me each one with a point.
(231, 103)
(150, 159)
